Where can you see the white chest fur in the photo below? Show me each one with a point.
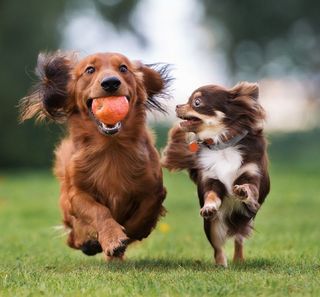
(222, 165)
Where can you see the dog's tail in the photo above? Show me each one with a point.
(176, 155)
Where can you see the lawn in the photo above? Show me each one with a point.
(283, 255)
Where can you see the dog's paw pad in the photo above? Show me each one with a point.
(241, 191)
(208, 212)
(248, 196)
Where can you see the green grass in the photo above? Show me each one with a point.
(282, 255)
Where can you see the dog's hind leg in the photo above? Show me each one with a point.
(238, 248)
(216, 232)
(145, 218)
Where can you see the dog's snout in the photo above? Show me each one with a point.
(111, 84)
(178, 106)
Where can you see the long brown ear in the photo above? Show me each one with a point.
(246, 89)
(156, 79)
(50, 96)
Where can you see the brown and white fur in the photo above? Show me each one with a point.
(233, 181)
(110, 176)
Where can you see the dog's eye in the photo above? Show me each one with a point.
(123, 68)
(197, 102)
(90, 69)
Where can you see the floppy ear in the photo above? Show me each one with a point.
(246, 89)
(156, 80)
(50, 96)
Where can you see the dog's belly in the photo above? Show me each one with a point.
(222, 165)
(225, 165)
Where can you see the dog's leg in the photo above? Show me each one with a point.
(111, 235)
(176, 155)
(82, 235)
(210, 192)
(238, 248)
(65, 206)
(246, 188)
(144, 219)
(211, 205)
(218, 235)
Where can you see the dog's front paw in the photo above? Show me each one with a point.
(118, 249)
(242, 191)
(114, 241)
(248, 194)
(91, 247)
(177, 134)
(253, 205)
(209, 212)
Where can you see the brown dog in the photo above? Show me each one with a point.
(226, 158)
(110, 175)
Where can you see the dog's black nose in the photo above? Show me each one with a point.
(111, 84)
(178, 106)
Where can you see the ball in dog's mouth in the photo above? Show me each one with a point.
(108, 112)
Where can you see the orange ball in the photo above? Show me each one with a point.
(110, 110)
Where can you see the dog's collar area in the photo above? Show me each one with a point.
(209, 143)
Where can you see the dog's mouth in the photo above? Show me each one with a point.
(189, 122)
(105, 129)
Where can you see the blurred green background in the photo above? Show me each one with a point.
(276, 39)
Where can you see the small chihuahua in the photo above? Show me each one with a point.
(221, 143)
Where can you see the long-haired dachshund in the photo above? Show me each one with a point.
(110, 175)
(221, 143)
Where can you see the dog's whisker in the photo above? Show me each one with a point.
(67, 232)
(58, 227)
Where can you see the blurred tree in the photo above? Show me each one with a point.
(263, 38)
(25, 27)
(259, 38)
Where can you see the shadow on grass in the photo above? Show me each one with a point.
(162, 265)
(165, 265)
